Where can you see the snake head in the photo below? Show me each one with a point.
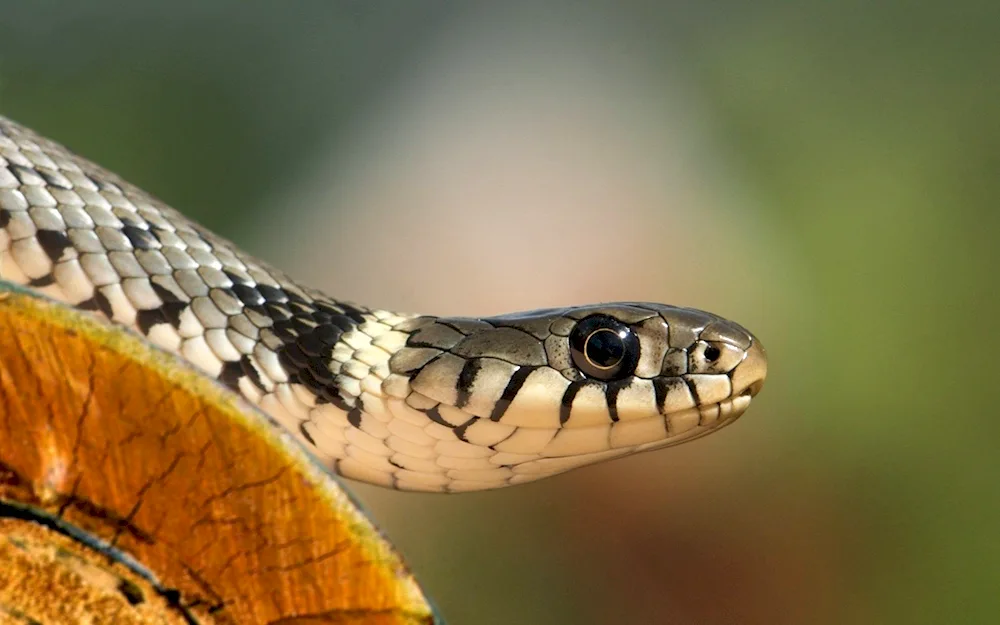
(537, 393)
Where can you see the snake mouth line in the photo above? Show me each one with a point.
(616, 438)
(708, 416)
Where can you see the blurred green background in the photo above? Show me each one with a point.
(824, 173)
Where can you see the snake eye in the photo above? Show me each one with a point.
(604, 348)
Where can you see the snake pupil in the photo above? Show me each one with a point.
(712, 353)
(604, 348)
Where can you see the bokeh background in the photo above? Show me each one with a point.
(828, 174)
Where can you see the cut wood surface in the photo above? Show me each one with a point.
(134, 490)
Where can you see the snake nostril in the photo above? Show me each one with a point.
(753, 389)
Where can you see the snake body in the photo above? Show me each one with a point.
(407, 401)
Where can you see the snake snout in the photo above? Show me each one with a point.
(748, 376)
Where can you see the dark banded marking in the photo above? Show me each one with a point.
(277, 312)
(318, 342)
(353, 313)
(53, 242)
(611, 390)
(272, 293)
(89, 304)
(510, 391)
(103, 303)
(251, 372)
(460, 430)
(146, 319)
(694, 391)
(566, 404)
(292, 358)
(306, 379)
(294, 297)
(140, 238)
(305, 433)
(236, 278)
(247, 294)
(319, 369)
(302, 325)
(354, 417)
(329, 332)
(661, 388)
(42, 281)
(333, 317)
(231, 374)
(466, 381)
(434, 414)
(172, 307)
(306, 333)
(350, 316)
(331, 394)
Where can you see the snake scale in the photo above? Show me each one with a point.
(412, 402)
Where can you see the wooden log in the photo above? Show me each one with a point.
(135, 490)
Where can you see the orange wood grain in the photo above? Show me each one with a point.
(47, 577)
(108, 435)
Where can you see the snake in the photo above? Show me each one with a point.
(406, 401)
